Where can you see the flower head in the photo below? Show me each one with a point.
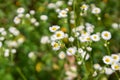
(54, 28)
(106, 35)
(107, 60)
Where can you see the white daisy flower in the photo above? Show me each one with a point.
(51, 5)
(108, 71)
(44, 17)
(106, 35)
(115, 58)
(95, 37)
(115, 26)
(59, 35)
(20, 10)
(7, 53)
(80, 50)
(36, 23)
(61, 55)
(97, 66)
(115, 66)
(27, 15)
(89, 48)
(32, 12)
(82, 38)
(55, 45)
(13, 51)
(94, 74)
(84, 7)
(59, 3)
(54, 28)
(62, 14)
(71, 39)
(71, 51)
(44, 40)
(17, 20)
(33, 20)
(96, 10)
(107, 59)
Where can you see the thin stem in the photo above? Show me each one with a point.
(117, 75)
(107, 47)
(21, 74)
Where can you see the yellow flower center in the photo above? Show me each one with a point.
(106, 34)
(107, 60)
(55, 45)
(58, 34)
(54, 28)
(94, 37)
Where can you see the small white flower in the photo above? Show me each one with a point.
(95, 37)
(2, 29)
(44, 17)
(61, 55)
(82, 38)
(70, 3)
(89, 48)
(80, 50)
(31, 55)
(71, 39)
(80, 28)
(87, 38)
(51, 6)
(94, 74)
(77, 34)
(14, 31)
(2, 38)
(7, 52)
(45, 40)
(36, 23)
(20, 40)
(96, 10)
(55, 45)
(115, 26)
(20, 15)
(79, 62)
(17, 20)
(59, 35)
(62, 14)
(106, 35)
(27, 15)
(107, 60)
(20, 10)
(33, 20)
(90, 29)
(59, 3)
(4, 33)
(0, 44)
(54, 28)
(97, 67)
(84, 7)
(32, 12)
(108, 71)
(116, 66)
(71, 51)
(65, 35)
(115, 57)
(13, 51)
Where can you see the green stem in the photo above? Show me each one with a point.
(117, 75)
(21, 74)
(107, 47)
